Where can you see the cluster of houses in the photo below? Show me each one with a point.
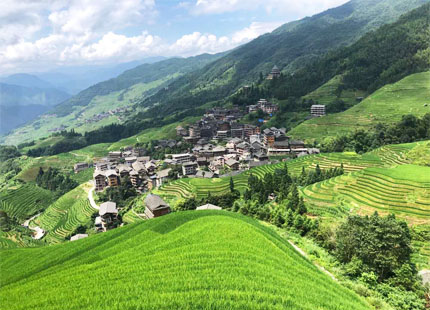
(141, 170)
(265, 106)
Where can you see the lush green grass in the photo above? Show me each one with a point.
(326, 94)
(186, 260)
(403, 190)
(420, 154)
(24, 201)
(62, 217)
(387, 105)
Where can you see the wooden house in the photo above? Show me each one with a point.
(155, 206)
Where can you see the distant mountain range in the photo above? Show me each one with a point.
(25, 96)
(109, 101)
(76, 78)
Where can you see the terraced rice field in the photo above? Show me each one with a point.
(185, 188)
(13, 239)
(395, 154)
(185, 260)
(403, 190)
(62, 217)
(23, 202)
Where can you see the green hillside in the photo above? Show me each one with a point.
(403, 190)
(66, 214)
(290, 47)
(82, 111)
(24, 201)
(411, 95)
(199, 260)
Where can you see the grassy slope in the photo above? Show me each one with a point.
(326, 93)
(387, 105)
(24, 201)
(403, 190)
(66, 214)
(199, 260)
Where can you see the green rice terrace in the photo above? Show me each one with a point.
(403, 190)
(195, 259)
(386, 156)
(62, 217)
(410, 95)
(25, 201)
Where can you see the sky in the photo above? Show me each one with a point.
(41, 35)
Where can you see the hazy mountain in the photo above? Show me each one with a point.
(20, 104)
(76, 78)
(26, 80)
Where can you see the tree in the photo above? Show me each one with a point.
(231, 185)
(382, 244)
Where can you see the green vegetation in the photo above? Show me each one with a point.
(387, 105)
(55, 181)
(291, 47)
(403, 190)
(377, 250)
(420, 154)
(331, 92)
(66, 214)
(205, 260)
(24, 201)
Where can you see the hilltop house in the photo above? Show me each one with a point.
(275, 73)
(99, 180)
(80, 167)
(232, 164)
(208, 206)
(189, 168)
(108, 214)
(318, 110)
(162, 176)
(155, 206)
(112, 178)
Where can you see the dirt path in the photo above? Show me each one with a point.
(91, 197)
(305, 255)
(27, 222)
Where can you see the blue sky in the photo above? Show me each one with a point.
(39, 35)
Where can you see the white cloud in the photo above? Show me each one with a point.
(253, 31)
(198, 43)
(303, 7)
(84, 16)
(41, 34)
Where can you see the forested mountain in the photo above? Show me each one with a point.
(90, 108)
(384, 56)
(289, 47)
